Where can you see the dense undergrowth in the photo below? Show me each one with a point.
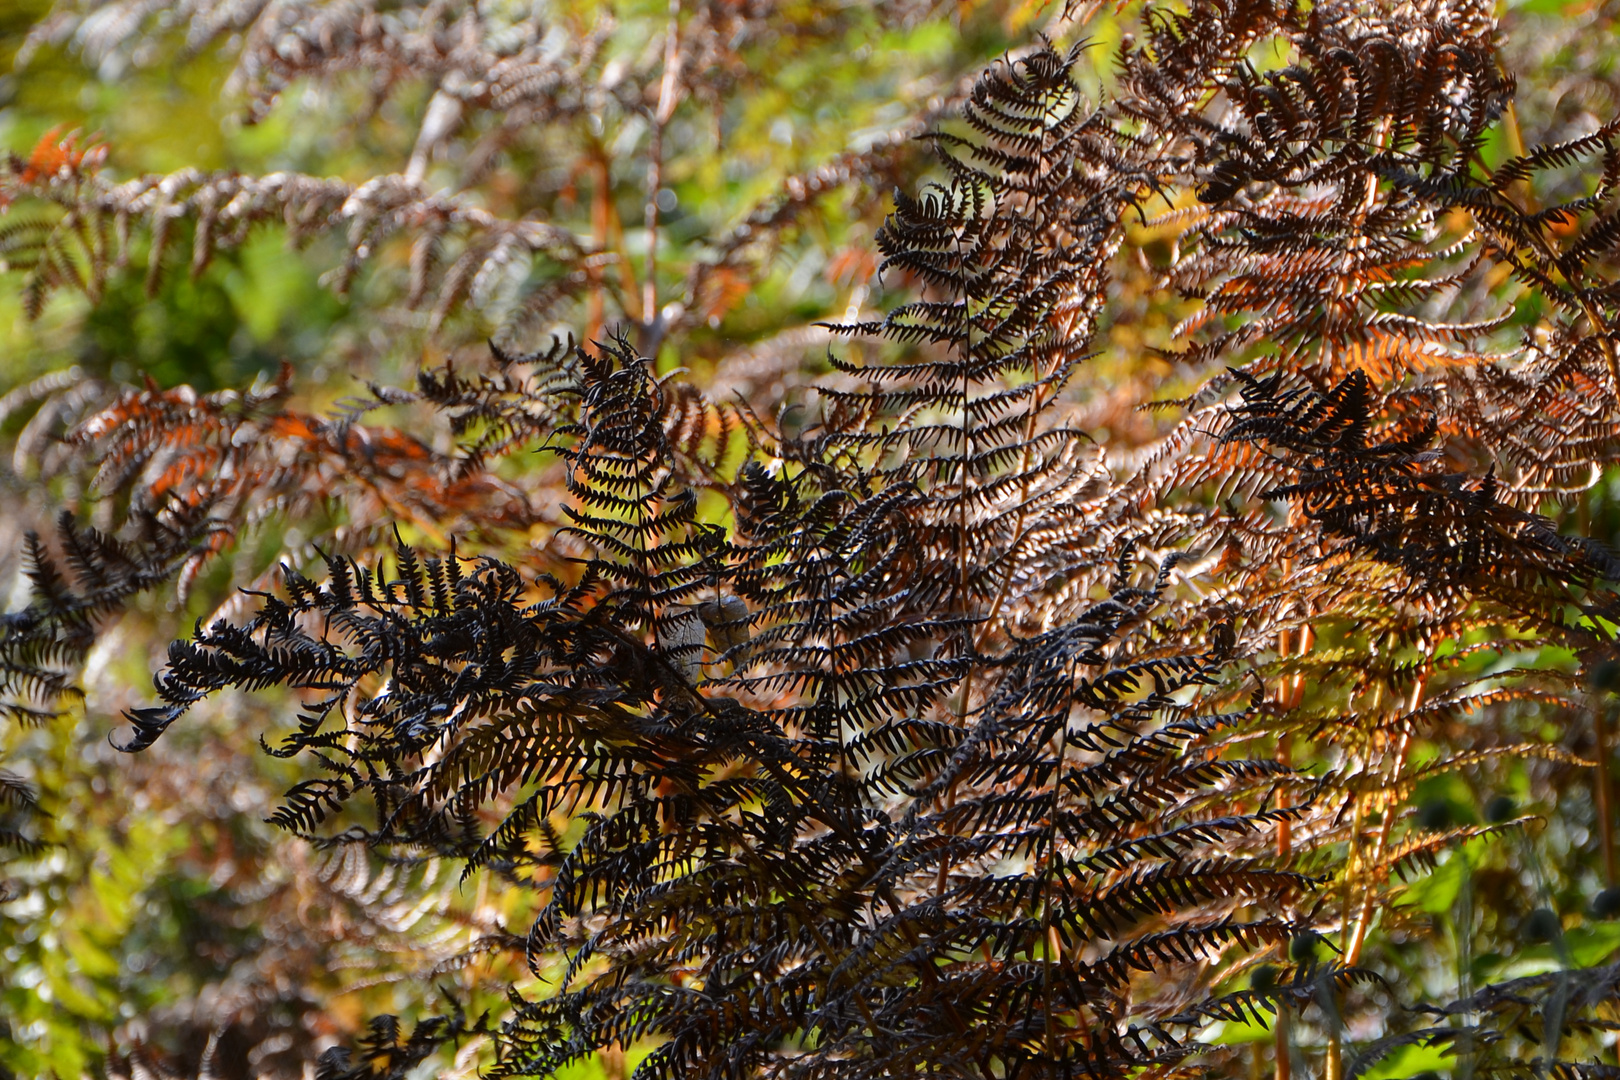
(1147, 608)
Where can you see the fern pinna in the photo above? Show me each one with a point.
(852, 803)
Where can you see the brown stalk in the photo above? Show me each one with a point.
(1605, 798)
(668, 98)
(1358, 937)
(601, 207)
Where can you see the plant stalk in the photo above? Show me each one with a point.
(1605, 798)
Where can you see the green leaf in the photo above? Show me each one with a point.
(1410, 1060)
(1227, 1033)
(1437, 891)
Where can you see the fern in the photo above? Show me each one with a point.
(928, 730)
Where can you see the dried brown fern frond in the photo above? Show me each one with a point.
(1376, 486)
(1417, 327)
(43, 644)
(20, 820)
(503, 90)
(91, 234)
(242, 459)
(919, 733)
(802, 745)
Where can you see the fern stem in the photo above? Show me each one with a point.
(1358, 937)
(1054, 950)
(1285, 1063)
(668, 98)
(1288, 699)
(1292, 695)
(601, 206)
(1605, 798)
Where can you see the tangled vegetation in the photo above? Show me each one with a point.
(1149, 609)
